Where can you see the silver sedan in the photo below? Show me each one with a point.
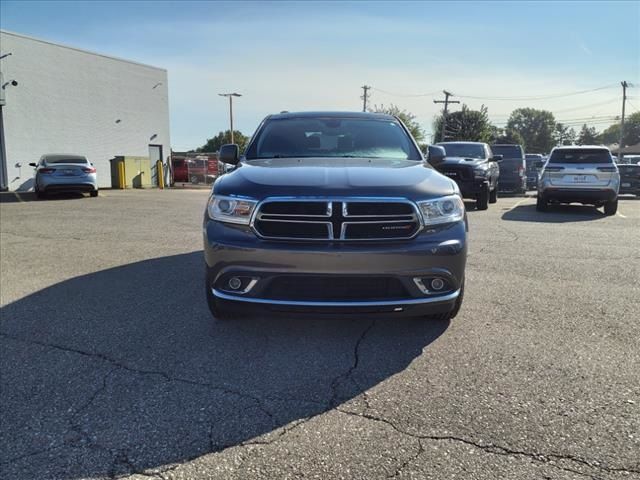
(57, 173)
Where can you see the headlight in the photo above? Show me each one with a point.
(230, 209)
(442, 210)
(480, 172)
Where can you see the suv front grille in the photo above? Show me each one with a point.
(339, 219)
(330, 288)
(456, 172)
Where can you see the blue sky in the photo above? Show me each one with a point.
(317, 55)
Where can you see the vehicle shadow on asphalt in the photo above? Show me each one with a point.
(19, 197)
(124, 369)
(554, 214)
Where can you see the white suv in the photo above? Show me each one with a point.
(584, 174)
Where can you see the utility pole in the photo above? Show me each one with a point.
(365, 97)
(230, 95)
(446, 102)
(624, 100)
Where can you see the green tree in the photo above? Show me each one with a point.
(465, 124)
(214, 144)
(587, 136)
(631, 131)
(505, 135)
(536, 127)
(610, 135)
(409, 119)
(564, 135)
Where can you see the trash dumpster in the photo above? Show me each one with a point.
(130, 172)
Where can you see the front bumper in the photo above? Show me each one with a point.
(472, 188)
(232, 250)
(633, 186)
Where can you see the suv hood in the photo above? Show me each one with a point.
(472, 162)
(334, 177)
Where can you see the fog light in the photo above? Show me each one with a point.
(437, 284)
(235, 283)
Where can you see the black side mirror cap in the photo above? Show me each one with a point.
(496, 158)
(435, 154)
(229, 153)
(33, 165)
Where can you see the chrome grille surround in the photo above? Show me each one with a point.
(338, 216)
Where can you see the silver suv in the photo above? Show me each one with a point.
(585, 174)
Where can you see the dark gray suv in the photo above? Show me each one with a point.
(334, 213)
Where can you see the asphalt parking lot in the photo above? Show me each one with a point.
(111, 365)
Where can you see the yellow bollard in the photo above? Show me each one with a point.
(160, 173)
(121, 179)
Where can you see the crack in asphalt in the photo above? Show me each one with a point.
(121, 458)
(119, 364)
(409, 460)
(514, 235)
(545, 458)
(356, 361)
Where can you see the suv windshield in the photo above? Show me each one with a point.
(507, 151)
(332, 137)
(466, 150)
(582, 155)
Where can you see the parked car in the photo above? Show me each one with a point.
(180, 170)
(334, 213)
(585, 174)
(534, 162)
(194, 168)
(629, 179)
(512, 168)
(474, 168)
(58, 173)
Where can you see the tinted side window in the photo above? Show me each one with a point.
(507, 151)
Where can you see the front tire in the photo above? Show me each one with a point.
(541, 204)
(94, 193)
(482, 202)
(493, 196)
(610, 208)
(195, 179)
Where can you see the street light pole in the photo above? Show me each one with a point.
(4, 181)
(230, 96)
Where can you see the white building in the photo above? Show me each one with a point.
(69, 100)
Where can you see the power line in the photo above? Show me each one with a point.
(635, 109)
(405, 94)
(539, 97)
(607, 102)
(566, 121)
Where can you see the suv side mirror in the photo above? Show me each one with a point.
(496, 158)
(33, 165)
(229, 153)
(435, 154)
